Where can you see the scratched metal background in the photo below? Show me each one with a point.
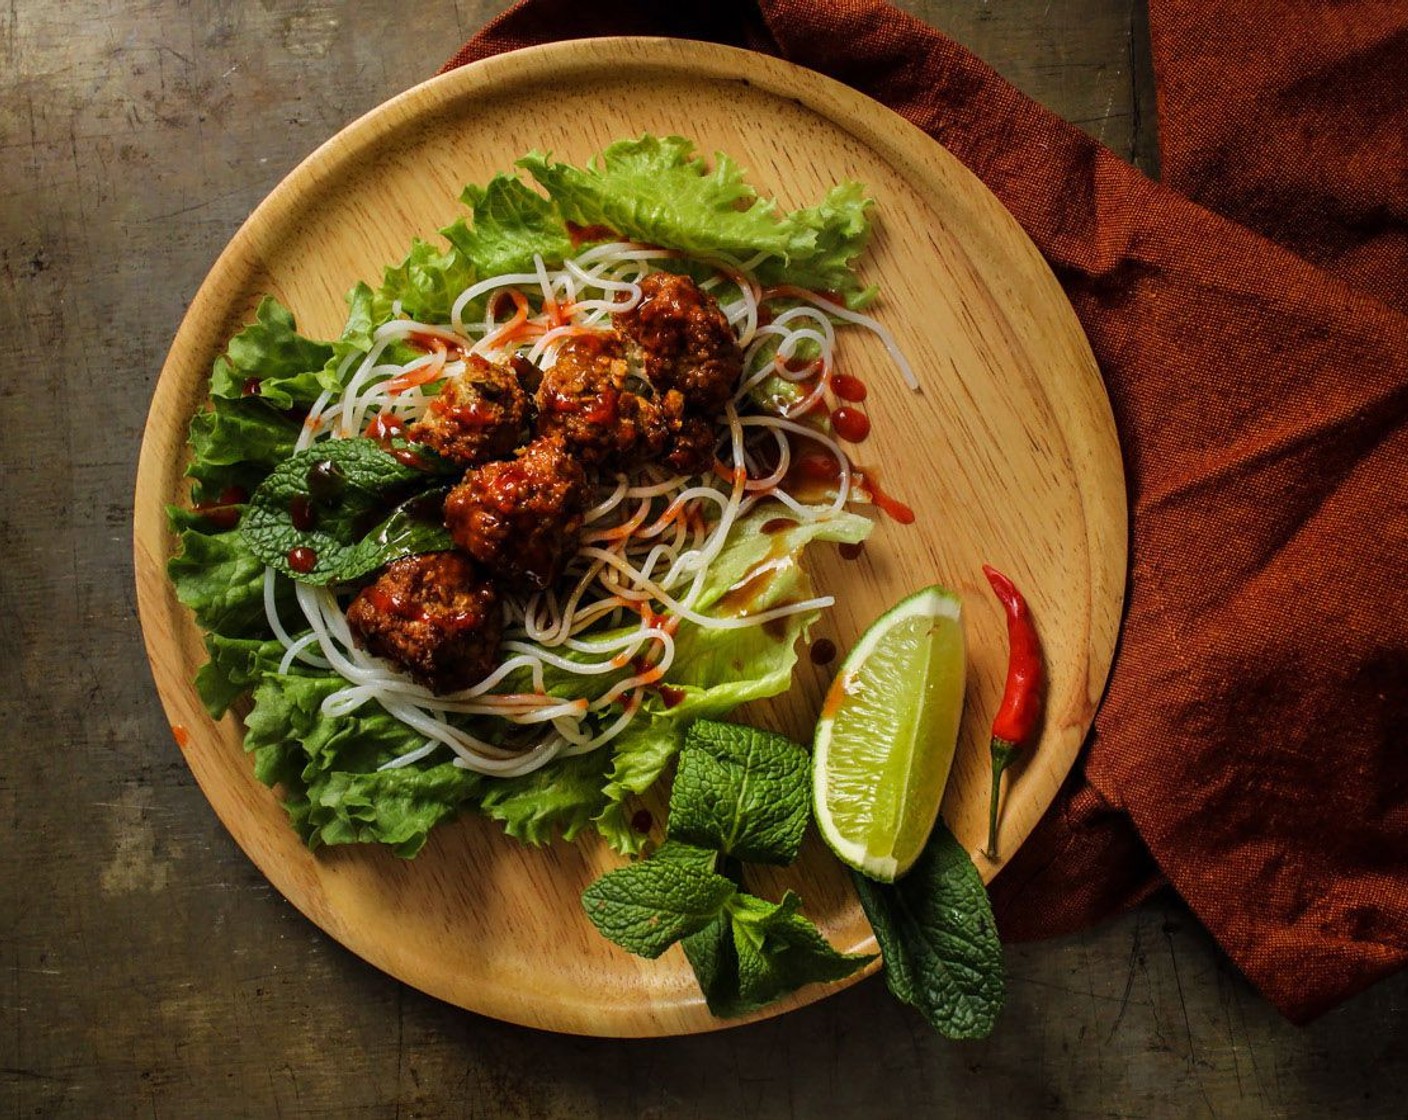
(146, 969)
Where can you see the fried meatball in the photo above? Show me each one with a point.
(521, 519)
(479, 415)
(434, 616)
(583, 398)
(690, 447)
(685, 342)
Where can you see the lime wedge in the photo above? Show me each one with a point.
(887, 733)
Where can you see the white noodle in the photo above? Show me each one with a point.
(650, 538)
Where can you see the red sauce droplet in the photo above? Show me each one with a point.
(823, 651)
(775, 628)
(503, 490)
(813, 475)
(851, 551)
(778, 525)
(383, 426)
(642, 821)
(408, 458)
(848, 388)
(223, 518)
(223, 513)
(250, 388)
(670, 696)
(181, 735)
(302, 559)
(402, 606)
(580, 235)
(604, 407)
(302, 513)
(851, 424)
(885, 502)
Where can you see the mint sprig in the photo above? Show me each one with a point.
(937, 934)
(758, 951)
(740, 794)
(646, 907)
(348, 532)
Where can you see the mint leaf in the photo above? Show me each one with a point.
(742, 791)
(417, 525)
(369, 481)
(758, 951)
(647, 906)
(939, 939)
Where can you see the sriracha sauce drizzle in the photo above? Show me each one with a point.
(885, 502)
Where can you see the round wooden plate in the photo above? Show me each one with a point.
(1007, 456)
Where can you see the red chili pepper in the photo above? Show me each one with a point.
(1021, 701)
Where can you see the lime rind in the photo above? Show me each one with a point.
(885, 743)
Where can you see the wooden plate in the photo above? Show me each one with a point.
(1008, 456)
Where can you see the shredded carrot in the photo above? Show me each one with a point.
(422, 374)
(508, 330)
(625, 529)
(734, 475)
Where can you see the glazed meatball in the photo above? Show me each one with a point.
(684, 341)
(583, 398)
(434, 616)
(521, 519)
(479, 415)
(690, 446)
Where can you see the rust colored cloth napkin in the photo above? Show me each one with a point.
(1252, 749)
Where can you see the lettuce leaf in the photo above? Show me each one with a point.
(559, 800)
(425, 283)
(217, 578)
(236, 665)
(657, 190)
(271, 351)
(510, 224)
(328, 768)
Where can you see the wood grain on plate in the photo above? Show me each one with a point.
(1007, 456)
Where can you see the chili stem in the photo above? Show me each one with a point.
(1002, 755)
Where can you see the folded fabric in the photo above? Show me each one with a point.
(1252, 747)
